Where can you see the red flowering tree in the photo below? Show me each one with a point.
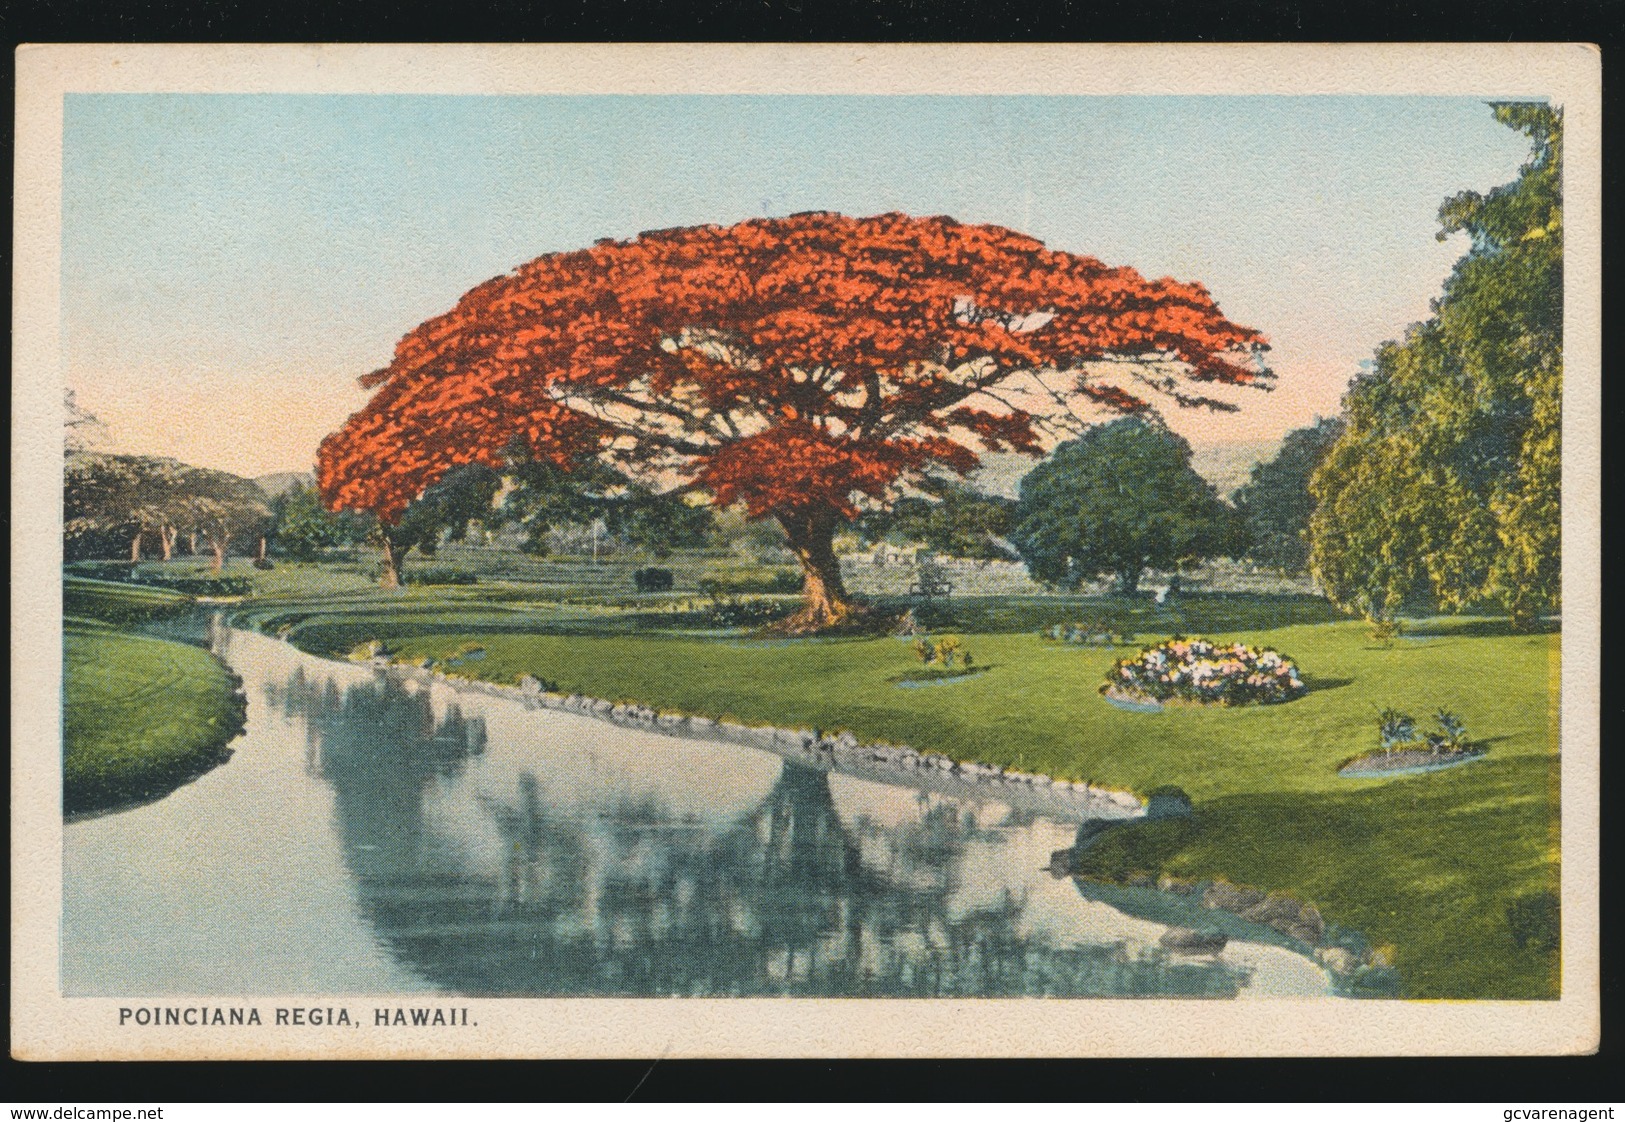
(802, 366)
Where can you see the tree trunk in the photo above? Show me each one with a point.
(191, 543)
(167, 535)
(261, 555)
(391, 576)
(1128, 580)
(135, 548)
(218, 545)
(825, 601)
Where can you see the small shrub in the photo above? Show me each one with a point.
(944, 652)
(1395, 730)
(1384, 631)
(1535, 921)
(372, 648)
(1452, 734)
(731, 612)
(652, 580)
(263, 563)
(1087, 632)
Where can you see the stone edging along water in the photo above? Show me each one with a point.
(844, 752)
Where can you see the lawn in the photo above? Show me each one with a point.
(1425, 864)
(140, 715)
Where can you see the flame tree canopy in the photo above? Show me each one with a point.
(802, 366)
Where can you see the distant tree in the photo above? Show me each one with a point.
(1119, 499)
(463, 495)
(661, 524)
(80, 427)
(1444, 490)
(761, 539)
(302, 527)
(541, 497)
(950, 517)
(220, 507)
(138, 496)
(133, 496)
(1275, 504)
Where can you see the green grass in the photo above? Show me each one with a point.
(140, 716)
(1426, 864)
(115, 603)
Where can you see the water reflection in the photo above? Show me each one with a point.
(553, 868)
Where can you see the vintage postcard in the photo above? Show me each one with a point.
(571, 551)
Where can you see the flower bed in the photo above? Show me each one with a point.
(1204, 673)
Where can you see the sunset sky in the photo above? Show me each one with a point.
(231, 263)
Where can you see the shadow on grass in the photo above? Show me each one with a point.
(915, 678)
(1138, 616)
(1318, 684)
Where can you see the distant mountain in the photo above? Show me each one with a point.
(273, 485)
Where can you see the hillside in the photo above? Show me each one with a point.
(278, 482)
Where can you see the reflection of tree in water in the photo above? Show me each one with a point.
(625, 899)
(387, 744)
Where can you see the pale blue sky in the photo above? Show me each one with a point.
(232, 262)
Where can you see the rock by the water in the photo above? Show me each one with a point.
(1190, 941)
(1310, 921)
(1231, 897)
(1275, 911)
(1339, 960)
(1167, 804)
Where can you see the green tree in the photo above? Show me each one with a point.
(463, 495)
(1120, 498)
(138, 496)
(1444, 489)
(1275, 504)
(106, 495)
(219, 507)
(302, 527)
(540, 496)
(950, 517)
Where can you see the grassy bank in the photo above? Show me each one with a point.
(140, 715)
(1426, 864)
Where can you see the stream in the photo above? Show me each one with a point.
(377, 835)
